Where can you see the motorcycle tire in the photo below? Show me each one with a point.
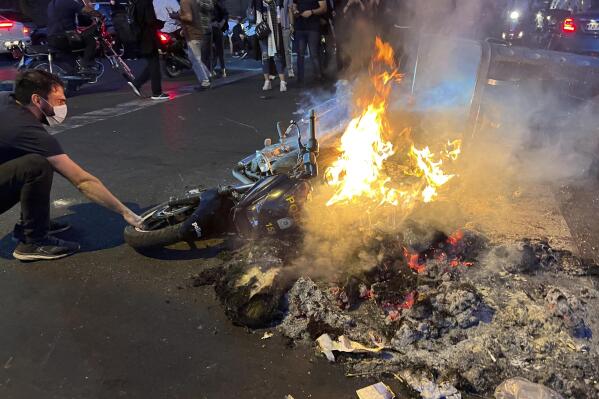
(159, 230)
(171, 69)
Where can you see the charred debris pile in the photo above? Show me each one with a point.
(455, 312)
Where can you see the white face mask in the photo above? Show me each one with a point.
(60, 114)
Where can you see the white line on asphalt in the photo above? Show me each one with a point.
(138, 104)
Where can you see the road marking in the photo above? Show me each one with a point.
(139, 104)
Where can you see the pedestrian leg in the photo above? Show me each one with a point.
(302, 42)
(313, 39)
(28, 180)
(288, 52)
(155, 75)
(194, 51)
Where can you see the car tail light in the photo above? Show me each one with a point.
(26, 31)
(6, 24)
(164, 38)
(569, 26)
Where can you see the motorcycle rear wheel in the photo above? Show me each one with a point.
(171, 69)
(161, 225)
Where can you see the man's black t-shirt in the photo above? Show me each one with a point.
(311, 23)
(21, 133)
(61, 15)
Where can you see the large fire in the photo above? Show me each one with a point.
(359, 171)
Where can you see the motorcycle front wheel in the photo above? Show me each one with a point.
(161, 224)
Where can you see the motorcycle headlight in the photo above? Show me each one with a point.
(503, 35)
(514, 15)
(520, 35)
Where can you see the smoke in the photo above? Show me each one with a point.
(531, 138)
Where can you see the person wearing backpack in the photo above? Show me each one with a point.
(144, 17)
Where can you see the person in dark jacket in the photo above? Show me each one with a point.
(220, 23)
(145, 18)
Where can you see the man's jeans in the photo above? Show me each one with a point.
(288, 49)
(194, 52)
(28, 180)
(308, 39)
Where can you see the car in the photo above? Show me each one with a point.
(12, 31)
(578, 33)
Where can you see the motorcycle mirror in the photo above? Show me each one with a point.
(267, 142)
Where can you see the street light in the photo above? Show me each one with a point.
(514, 15)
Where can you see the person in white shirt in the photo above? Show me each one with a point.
(163, 10)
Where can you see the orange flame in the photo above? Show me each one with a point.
(359, 170)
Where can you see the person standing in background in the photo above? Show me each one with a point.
(287, 26)
(306, 17)
(220, 23)
(196, 16)
(271, 46)
(164, 9)
(145, 18)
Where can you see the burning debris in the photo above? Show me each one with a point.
(471, 315)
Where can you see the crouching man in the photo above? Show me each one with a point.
(29, 156)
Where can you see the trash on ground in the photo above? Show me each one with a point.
(376, 391)
(521, 388)
(267, 335)
(343, 344)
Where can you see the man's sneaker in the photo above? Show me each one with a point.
(244, 54)
(55, 227)
(160, 97)
(135, 89)
(205, 84)
(267, 85)
(224, 73)
(47, 249)
(283, 86)
(291, 74)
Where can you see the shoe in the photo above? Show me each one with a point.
(283, 86)
(244, 55)
(205, 84)
(135, 89)
(160, 97)
(55, 227)
(291, 74)
(272, 77)
(236, 55)
(48, 248)
(224, 73)
(267, 85)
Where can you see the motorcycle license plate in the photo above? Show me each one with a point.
(593, 26)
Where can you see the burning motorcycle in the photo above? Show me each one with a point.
(67, 66)
(275, 183)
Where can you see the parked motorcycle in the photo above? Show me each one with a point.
(174, 50)
(275, 183)
(67, 66)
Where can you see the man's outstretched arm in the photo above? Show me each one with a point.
(92, 187)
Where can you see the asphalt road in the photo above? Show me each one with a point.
(111, 323)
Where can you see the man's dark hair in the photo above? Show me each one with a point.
(33, 82)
